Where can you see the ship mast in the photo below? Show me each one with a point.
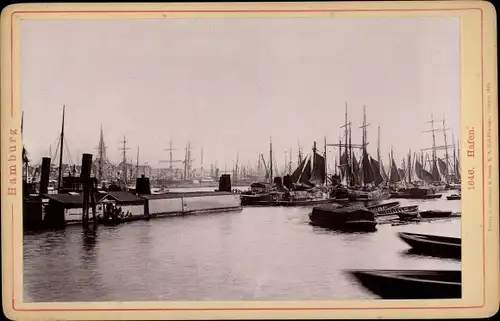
(378, 145)
(347, 149)
(271, 159)
(59, 180)
(326, 165)
(409, 166)
(137, 165)
(454, 159)
(364, 141)
(446, 148)
(300, 153)
(201, 161)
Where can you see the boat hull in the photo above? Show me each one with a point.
(405, 216)
(411, 284)
(435, 214)
(343, 218)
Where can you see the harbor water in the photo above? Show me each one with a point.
(260, 253)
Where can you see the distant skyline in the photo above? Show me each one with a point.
(228, 85)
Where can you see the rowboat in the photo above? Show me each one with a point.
(442, 246)
(435, 214)
(408, 215)
(382, 207)
(411, 284)
(398, 210)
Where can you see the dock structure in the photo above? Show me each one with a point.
(113, 207)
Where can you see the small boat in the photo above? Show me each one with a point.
(305, 202)
(410, 215)
(343, 218)
(442, 246)
(431, 196)
(382, 207)
(411, 284)
(398, 210)
(435, 214)
(454, 197)
(416, 193)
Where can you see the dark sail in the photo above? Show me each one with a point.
(394, 178)
(343, 164)
(378, 178)
(305, 177)
(368, 177)
(355, 171)
(401, 172)
(296, 174)
(422, 174)
(318, 171)
(443, 168)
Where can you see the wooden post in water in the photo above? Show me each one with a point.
(61, 146)
(87, 187)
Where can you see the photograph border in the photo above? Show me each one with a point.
(483, 144)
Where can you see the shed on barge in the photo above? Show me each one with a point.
(190, 202)
(130, 204)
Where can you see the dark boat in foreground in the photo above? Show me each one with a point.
(408, 215)
(435, 214)
(442, 246)
(411, 284)
(343, 218)
(383, 207)
(400, 210)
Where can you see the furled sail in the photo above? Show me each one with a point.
(318, 170)
(355, 171)
(343, 165)
(377, 176)
(443, 168)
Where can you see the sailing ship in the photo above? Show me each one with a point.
(307, 185)
(421, 181)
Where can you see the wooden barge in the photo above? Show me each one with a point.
(411, 284)
(434, 245)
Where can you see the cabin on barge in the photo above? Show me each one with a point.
(121, 206)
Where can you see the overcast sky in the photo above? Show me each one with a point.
(229, 84)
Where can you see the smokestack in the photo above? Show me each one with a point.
(86, 165)
(45, 174)
(142, 186)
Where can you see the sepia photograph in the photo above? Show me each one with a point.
(180, 157)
